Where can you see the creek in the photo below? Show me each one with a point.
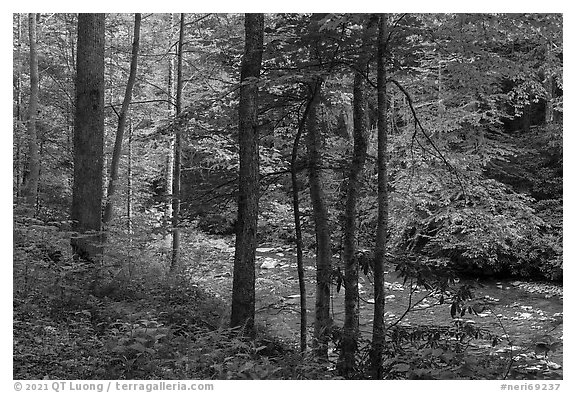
(526, 316)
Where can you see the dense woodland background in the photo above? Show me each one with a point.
(172, 172)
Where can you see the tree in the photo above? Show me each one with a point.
(18, 106)
(122, 122)
(378, 329)
(30, 187)
(171, 112)
(243, 290)
(298, 228)
(322, 229)
(177, 162)
(361, 140)
(316, 179)
(88, 138)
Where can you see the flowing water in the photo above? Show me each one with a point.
(526, 316)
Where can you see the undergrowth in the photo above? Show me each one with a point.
(155, 326)
(166, 328)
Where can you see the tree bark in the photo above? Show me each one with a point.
(129, 198)
(176, 174)
(360, 135)
(298, 230)
(129, 183)
(549, 109)
(18, 114)
(322, 321)
(30, 187)
(124, 111)
(86, 212)
(243, 290)
(171, 112)
(378, 332)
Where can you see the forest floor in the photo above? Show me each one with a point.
(176, 328)
(526, 316)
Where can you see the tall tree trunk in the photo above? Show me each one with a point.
(129, 229)
(298, 229)
(18, 114)
(549, 110)
(550, 85)
(177, 156)
(360, 135)
(322, 321)
(40, 155)
(243, 296)
(171, 111)
(378, 332)
(129, 183)
(122, 123)
(86, 212)
(30, 187)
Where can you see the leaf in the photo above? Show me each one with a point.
(138, 347)
(401, 367)
(249, 365)
(119, 349)
(453, 310)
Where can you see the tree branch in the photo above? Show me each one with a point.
(418, 125)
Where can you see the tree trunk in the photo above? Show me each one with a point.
(171, 111)
(30, 187)
(86, 212)
(360, 134)
(550, 86)
(18, 114)
(129, 184)
(243, 296)
(322, 321)
(177, 156)
(122, 123)
(298, 230)
(378, 332)
(129, 193)
(549, 109)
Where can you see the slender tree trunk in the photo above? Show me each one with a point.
(171, 111)
(550, 85)
(379, 333)
(124, 111)
(17, 159)
(18, 64)
(440, 94)
(18, 114)
(177, 156)
(549, 110)
(30, 187)
(40, 155)
(129, 228)
(129, 184)
(360, 134)
(322, 321)
(243, 290)
(298, 230)
(86, 212)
